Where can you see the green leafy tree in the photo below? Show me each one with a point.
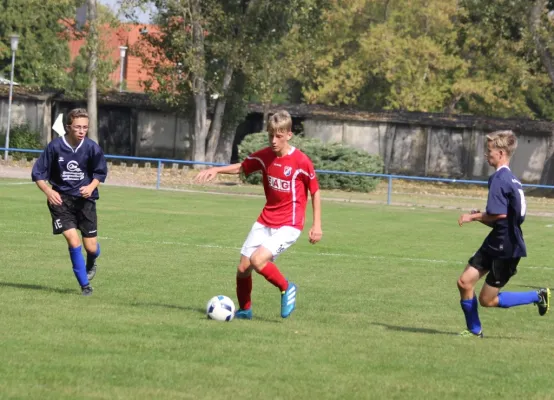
(42, 57)
(209, 52)
(474, 56)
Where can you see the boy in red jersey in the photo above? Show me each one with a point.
(288, 175)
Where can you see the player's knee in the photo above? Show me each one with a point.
(258, 261)
(486, 301)
(463, 284)
(243, 270)
(73, 242)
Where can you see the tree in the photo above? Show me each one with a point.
(471, 56)
(92, 49)
(43, 55)
(205, 54)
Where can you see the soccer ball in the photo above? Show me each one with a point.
(220, 308)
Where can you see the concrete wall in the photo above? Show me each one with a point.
(431, 151)
(28, 111)
(428, 148)
(163, 135)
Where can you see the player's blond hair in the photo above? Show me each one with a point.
(76, 113)
(503, 140)
(281, 121)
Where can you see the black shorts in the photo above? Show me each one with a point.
(74, 213)
(500, 269)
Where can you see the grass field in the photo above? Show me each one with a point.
(377, 316)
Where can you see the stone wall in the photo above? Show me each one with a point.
(432, 150)
(425, 144)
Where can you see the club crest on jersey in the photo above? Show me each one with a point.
(288, 171)
(73, 166)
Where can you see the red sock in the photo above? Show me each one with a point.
(272, 274)
(244, 289)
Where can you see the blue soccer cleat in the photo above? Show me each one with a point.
(243, 314)
(288, 300)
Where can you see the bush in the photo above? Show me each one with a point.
(325, 156)
(24, 137)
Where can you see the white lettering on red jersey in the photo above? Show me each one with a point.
(287, 181)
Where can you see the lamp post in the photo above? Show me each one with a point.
(122, 51)
(14, 41)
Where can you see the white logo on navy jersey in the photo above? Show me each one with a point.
(60, 159)
(279, 184)
(73, 166)
(73, 172)
(288, 171)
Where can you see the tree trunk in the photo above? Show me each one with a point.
(199, 86)
(200, 122)
(538, 7)
(92, 39)
(535, 27)
(217, 121)
(265, 115)
(225, 147)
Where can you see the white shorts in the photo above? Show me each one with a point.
(275, 240)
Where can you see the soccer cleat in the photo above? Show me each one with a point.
(86, 290)
(91, 272)
(544, 300)
(243, 314)
(288, 300)
(469, 334)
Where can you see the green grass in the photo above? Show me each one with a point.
(377, 312)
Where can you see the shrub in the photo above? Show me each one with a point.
(325, 156)
(23, 137)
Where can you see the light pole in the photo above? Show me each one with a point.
(122, 51)
(14, 41)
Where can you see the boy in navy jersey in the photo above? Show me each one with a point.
(499, 255)
(74, 166)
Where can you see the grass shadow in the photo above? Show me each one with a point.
(37, 287)
(171, 306)
(430, 331)
(198, 310)
(414, 329)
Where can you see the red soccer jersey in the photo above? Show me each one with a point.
(286, 180)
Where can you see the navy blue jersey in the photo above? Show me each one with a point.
(68, 169)
(505, 197)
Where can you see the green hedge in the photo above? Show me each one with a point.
(23, 137)
(325, 156)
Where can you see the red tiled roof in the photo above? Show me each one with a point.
(128, 35)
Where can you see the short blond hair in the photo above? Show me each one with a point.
(76, 113)
(281, 121)
(503, 140)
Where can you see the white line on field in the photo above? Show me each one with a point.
(345, 255)
(16, 183)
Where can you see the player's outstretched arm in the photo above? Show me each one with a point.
(316, 233)
(209, 174)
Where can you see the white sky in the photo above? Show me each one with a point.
(143, 17)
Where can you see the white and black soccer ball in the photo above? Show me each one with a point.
(220, 308)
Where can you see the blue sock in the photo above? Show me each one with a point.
(512, 299)
(91, 257)
(79, 267)
(472, 314)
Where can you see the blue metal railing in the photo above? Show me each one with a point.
(389, 177)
